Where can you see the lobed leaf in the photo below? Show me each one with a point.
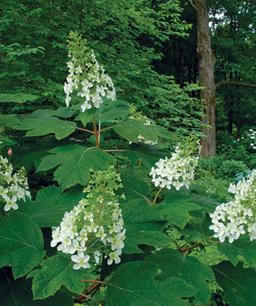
(144, 226)
(74, 163)
(21, 244)
(55, 272)
(131, 129)
(136, 284)
(195, 273)
(238, 284)
(50, 204)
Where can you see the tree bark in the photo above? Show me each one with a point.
(206, 64)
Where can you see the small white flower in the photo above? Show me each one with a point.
(81, 261)
(113, 257)
(10, 205)
(177, 171)
(232, 219)
(14, 186)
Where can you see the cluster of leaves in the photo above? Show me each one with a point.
(169, 256)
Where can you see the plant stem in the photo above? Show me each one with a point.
(156, 196)
(96, 133)
(108, 128)
(115, 150)
(85, 130)
(188, 249)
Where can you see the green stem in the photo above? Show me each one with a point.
(108, 128)
(85, 130)
(96, 132)
(156, 196)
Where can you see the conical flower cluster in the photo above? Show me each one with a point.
(177, 171)
(94, 229)
(13, 185)
(86, 76)
(237, 217)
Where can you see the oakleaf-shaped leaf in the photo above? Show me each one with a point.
(144, 226)
(74, 163)
(21, 244)
(144, 155)
(55, 272)
(109, 112)
(135, 284)
(131, 129)
(174, 264)
(40, 127)
(36, 125)
(136, 184)
(241, 250)
(62, 112)
(238, 284)
(177, 207)
(50, 205)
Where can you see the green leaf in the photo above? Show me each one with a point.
(109, 112)
(131, 129)
(144, 226)
(39, 125)
(32, 151)
(19, 98)
(241, 250)
(174, 264)
(206, 201)
(177, 207)
(113, 111)
(50, 204)
(74, 163)
(86, 117)
(210, 255)
(136, 184)
(62, 112)
(21, 244)
(238, 284)
(143, 155)
(18, 293)
(198, 227)
(5, 141)
(135, 284)
(10, 121)
(55, 272)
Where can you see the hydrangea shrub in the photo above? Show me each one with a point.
(97, 230)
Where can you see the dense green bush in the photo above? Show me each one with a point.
(223, 168)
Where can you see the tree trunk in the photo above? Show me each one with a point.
(206, 64)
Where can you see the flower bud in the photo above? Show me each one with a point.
(10, 152)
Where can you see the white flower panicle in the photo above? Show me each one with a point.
(86, 76)
(13, 185)
(94, 229)
(177, 171)
(237, 217)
